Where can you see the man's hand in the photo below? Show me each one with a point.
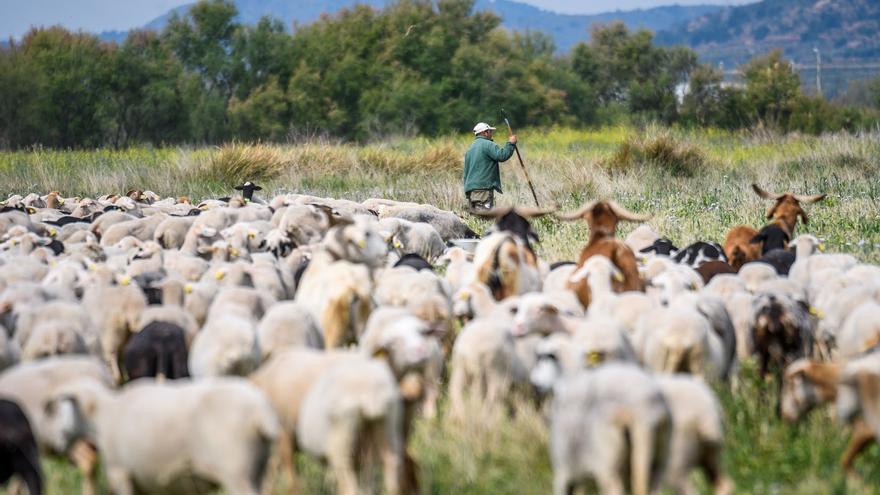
(512, 139)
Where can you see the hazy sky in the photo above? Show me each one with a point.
(16, 16)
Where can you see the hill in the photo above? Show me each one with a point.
(566, 30)
(844, 31)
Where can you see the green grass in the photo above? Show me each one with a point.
(568, 167)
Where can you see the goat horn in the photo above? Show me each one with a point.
(624, 214)
(764, 194)
(810, 199)
(577, 214)
(529, 212)
(493, 213)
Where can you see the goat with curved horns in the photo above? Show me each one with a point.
(743, 244)
(602, 217)
(515, 220)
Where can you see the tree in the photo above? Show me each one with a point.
(263, 115)
(702, 104)
(75, 70)
(144, 87)
(22, 87)
(772, 87)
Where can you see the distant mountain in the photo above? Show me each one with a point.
(566, 30)
(843, 31)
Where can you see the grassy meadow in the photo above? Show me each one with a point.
(695, 183)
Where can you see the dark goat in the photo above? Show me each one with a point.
(515, 221)
(67, 219)
(700, 252)
(247, 190)
(780, 259)
(663, 247)
(414, 261)
(770, 237)
(781, 332)
(159, 349)
(18, 448)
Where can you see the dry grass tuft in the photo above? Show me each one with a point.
(236, 163)
(662, 151)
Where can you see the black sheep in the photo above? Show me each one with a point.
(700, 252)
(159, 349)
(414, 261)
(662, 246)
(780, 259)
(18, 448)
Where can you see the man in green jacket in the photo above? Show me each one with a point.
(481, 175)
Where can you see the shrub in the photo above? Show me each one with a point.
(662, 151)
(236, 162)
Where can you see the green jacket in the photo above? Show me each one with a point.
(481, 164)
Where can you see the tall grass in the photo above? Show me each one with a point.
(509, 455)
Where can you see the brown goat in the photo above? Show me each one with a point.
(602, 217)
(808, 384)
(739, 246)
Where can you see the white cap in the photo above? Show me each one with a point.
(481, 127)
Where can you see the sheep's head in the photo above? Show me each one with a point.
(806, 385)
(358, 241)
(787, 207)
(603, 216)
(536, 314)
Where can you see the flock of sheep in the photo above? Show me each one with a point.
(188, 346)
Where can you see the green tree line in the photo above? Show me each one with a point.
(417, 67)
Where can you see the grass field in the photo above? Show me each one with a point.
(695, 183)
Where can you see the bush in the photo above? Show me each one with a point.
(235, 163)
(662, 151)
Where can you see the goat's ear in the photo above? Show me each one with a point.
(869, 395)
(759, 238)
(764, 194)
(801, 213)
(810, 199)
(771, 211)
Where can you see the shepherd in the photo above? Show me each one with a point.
(481, 175)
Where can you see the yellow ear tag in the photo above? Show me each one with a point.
(397, 244)
(821, 248)
(61, 201)
(187, 289)
(91, 266)
(817, 312)
(125, 281)
(594, 358)
(31, 210)
(251, 235)
(218, 275)
(53, 232)
(234, 252)
(362, 243)
(380, 353)
(618, 277)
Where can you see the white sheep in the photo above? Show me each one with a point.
(860, 331)
(288, 324)
(680, 339)
(754, 273)
(352, 405)
(413, 237)
(459, 268)
(610, 425)
(697, 434)
(115, 310)
(171, 233)
(485, 364)
(339, 295)
(641, 237)
(226, 345)
(159, 438)
(33, 384)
